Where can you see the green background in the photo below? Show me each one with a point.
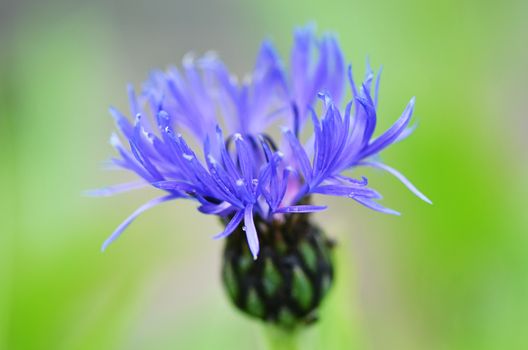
(449, 276)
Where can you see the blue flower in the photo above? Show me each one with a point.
(244, 172)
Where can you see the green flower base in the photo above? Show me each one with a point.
(291, 276)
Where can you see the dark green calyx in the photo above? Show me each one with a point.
(291, 276)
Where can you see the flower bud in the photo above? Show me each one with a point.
(288, 281)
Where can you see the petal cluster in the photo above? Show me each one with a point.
(200, 133)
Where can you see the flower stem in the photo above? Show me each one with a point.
(280, 339)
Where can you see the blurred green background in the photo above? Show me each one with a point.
(449, 276)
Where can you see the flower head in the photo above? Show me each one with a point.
(238, 171)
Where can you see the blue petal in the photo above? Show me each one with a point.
(132, 217)
(232, 225)
(127, 161)
(369, 203)
(346, 191)
(407, 132)
(376, 87)
(300, 155)
(400, 177)
(132, 99)
(222, 209)
(122, 123)
(245, 160)
(301, 209)
(174, 185)
(144, 160)
(392, 134)
(251, 232)
(112, 190)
